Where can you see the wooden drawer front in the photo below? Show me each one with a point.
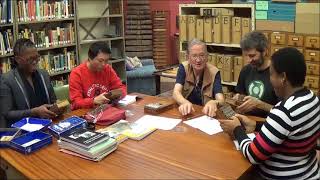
(278, 38)
(313, 69)
(312, 82)
(312, 55)
(312, 42)
(295, 40)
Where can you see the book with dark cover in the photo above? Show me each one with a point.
(84, 138)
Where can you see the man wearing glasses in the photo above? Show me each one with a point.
(91, 81)
(25, 91)
(198, 82)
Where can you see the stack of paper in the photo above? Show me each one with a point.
(87, 144)
(206, 124)
(128, 99)
(158, 122)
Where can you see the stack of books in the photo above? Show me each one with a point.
(123, 130)
(87, 144)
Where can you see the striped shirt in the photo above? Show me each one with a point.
(285, 146)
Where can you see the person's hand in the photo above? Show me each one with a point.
(250, 125)
(101, 99)
(210, 108)
(249, 104)
(229, 125)
(236, 96)
(186, 108)
(43, 112)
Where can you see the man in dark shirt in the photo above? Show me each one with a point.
(26, 91)
(198, 82)
(254, 79)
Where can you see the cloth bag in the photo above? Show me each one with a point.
(105, 115)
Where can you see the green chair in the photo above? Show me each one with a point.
(62, 92)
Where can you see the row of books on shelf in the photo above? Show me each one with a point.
(37, 10)
(6, 11)
(6, 42)
(54, 63)
(50, 38)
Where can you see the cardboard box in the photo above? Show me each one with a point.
(228, 68)
(312, 55)
(206, 12)
(220, 62)
(278, 38)
(191, 25)
(274, 48)
(307, 18)
(183, 28)
(226, 29)
(212, 59)
(271, 25)
(245, 26)
(236, 30)
(295, 40)
(217, 27)
(312, 42)
(207, 23)
(237, 66)
(199, 33)
(227, 12)
(313, 69)
(312, 82)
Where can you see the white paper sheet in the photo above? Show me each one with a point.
(128, 99)
(206, 124)
(158, 122)
(236, 143)
(32, 127)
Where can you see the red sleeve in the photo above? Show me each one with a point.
(116, 83)
(76, 93)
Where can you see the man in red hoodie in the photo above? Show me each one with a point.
(93, 79)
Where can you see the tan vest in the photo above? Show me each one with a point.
(209, 75)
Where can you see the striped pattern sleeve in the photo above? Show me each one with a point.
(272, 134)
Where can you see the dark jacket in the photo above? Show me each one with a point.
(14, 101)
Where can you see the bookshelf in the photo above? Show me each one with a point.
(106, 24)
(207, 23)
(7, 37)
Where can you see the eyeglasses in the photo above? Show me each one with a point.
(31, 60)
(198, 56)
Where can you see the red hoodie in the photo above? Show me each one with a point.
(84, 85)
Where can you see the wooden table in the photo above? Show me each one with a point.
(181, 153)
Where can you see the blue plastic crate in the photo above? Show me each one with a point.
(36, 122)
(66, 125)
(31, 142)
(15, 132)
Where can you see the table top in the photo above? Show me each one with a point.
(181, 153)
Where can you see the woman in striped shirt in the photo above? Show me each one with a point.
(285, 146)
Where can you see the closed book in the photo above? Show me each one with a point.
(83, 137)
(138, 132)
(115, 130)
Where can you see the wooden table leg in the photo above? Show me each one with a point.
(157, 84)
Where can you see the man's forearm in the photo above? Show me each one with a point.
(179, 98)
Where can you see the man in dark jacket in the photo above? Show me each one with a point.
(25, 90)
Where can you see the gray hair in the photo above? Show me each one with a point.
(196, 42)
(254, 40)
